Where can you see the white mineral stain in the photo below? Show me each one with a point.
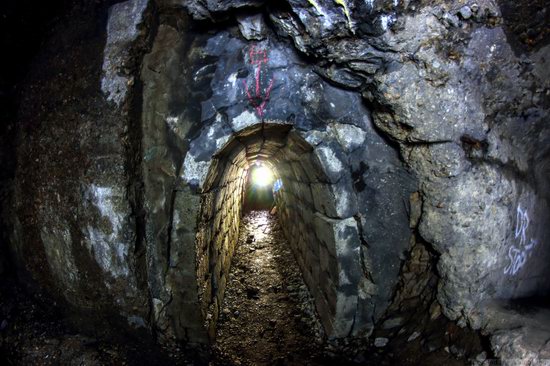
(194, 172)
(232, 79)
(370, 4)
(244, 120)
(329, 159)
(109, 250)
(386, 20)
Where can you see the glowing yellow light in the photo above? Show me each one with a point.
(262, 176)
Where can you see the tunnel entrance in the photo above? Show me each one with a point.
(325, 246)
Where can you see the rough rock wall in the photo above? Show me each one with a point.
(23, 26)
(445, 84)
(169, 232)
(75, 230)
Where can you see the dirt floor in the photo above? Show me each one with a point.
(268, 318)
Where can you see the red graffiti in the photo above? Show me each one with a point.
(258, 99)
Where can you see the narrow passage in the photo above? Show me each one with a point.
(268, 315)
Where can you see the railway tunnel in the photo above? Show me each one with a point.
(325, 242)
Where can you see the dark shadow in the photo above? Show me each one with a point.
(528, 305)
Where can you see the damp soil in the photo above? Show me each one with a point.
(268, 316)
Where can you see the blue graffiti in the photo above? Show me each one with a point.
(277, 185)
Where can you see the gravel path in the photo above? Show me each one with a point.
(268, 315)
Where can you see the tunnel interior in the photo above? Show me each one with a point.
(306, 210)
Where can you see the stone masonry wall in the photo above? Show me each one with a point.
(218, 233)
(326, 249)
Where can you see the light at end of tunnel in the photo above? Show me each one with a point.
(262, 176)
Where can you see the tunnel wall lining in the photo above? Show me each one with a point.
(333, 123)
(327, 249)
(218, 233)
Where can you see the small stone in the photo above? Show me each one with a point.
(381, 342)
(252, 27)
(392, 323)
(432, 344)
(237, 313)
(4, 324)
(435, 310)
(55, 342)
(413, 336)
(360, 359)
(465, 12)
(481, 357)
(458, 352)
(450, 20)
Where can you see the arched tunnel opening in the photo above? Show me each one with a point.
(305, 208)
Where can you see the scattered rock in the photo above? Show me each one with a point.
(413, 336)
(465, 12)
(392, 323)
(450, 20)
(381, 342)
(458, 352)
(435, 310)
(481, 357)
(252, 27)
